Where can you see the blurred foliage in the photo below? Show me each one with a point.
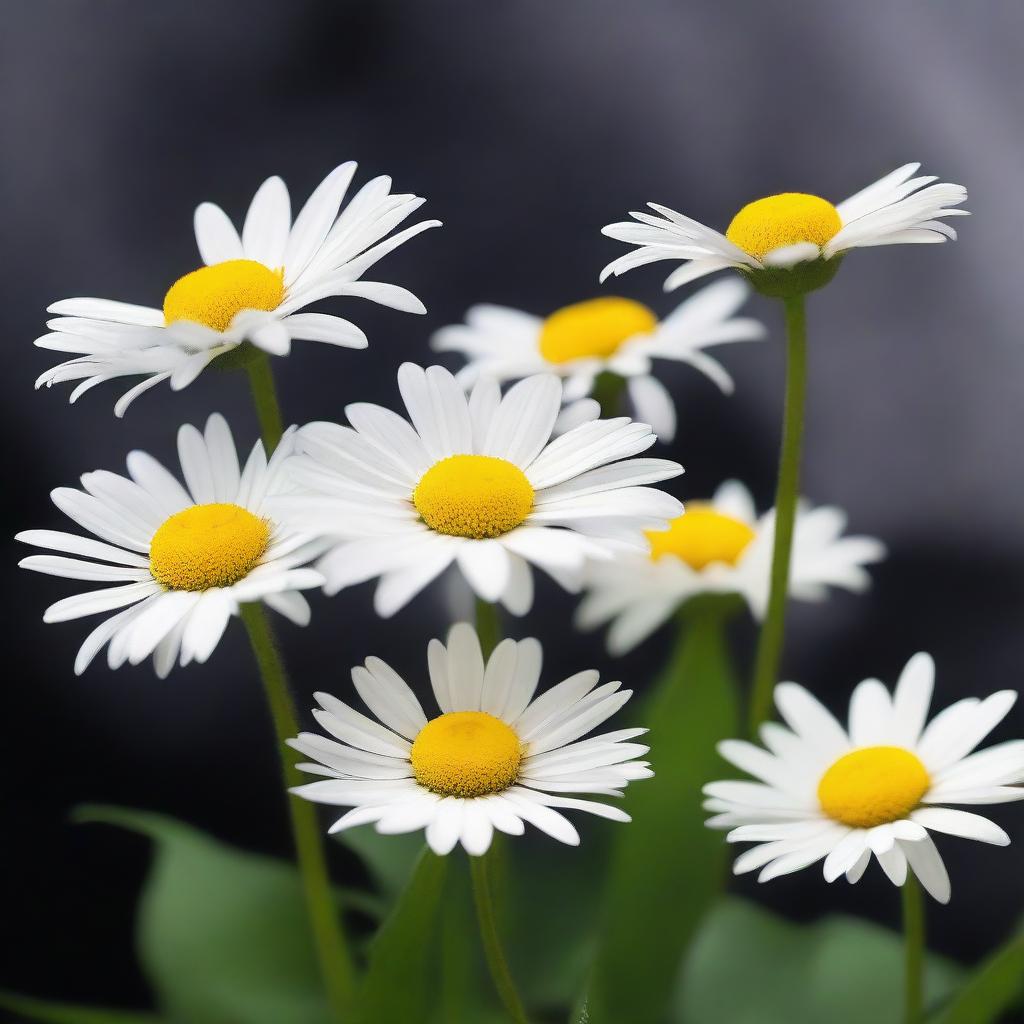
(995, 986)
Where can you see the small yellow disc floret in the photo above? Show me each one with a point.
(207, 546)
(475, 496)
(872, 786)
(701, 536)
(595, 329)
(213, 295)
(785, 219)
(466, 753)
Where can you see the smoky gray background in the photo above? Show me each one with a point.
(528, 125)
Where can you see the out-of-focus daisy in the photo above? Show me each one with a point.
(475, 481)
(878, 787)
(495, 758)
(793, 241)
(250, 289)
(609, 334)
(720, 547)
(186, 558)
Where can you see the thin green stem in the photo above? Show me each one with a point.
(264, 397)
(769, 647)
(607, 392)
(329, 940)
(482, 897)
(488, 625)
(913, 951)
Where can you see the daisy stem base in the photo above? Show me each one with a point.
(329, 940)
(913, 951)
(769, 646)
(488, 626)
(484, 900)
(264, 397)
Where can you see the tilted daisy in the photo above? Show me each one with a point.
(495, 758)
(186, 556)
(473, 481)
(609, 334)
(720, 547)
(879, 787)
(792, 242)
(251, 288)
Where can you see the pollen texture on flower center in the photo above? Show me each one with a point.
(213, 295)
(595, 328)
(207, 546)
(873, 786)
(475, 496)
(467, 754)
(701, 536)
(785, 219)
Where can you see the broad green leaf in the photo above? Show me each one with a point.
(46, 1012)
(222, 934)
(389, 859)
(990, 990)
(666, 866)
(749, 966)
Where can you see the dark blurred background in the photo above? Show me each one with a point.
(528, 125)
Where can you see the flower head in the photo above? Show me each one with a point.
(250, 289)
(879, 787)
(793, 242)
(495, 758)
(186, 556)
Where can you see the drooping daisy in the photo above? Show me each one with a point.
(877, 788)
(792, 242)
(608, 334)
(495, 758)
(186, 558)
(250, 288)
(475, 481)
(720, 547)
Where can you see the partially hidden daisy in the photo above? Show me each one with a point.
(184, 557)
(608, 334)
(792, 242)
(878, 787)
(473, 481)
(250, 288)
(720, 546)
(495, 758)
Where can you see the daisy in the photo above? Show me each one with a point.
(608, 334)
(476, 482)
(879, 787)
(250, 288)
(494, 758)
(186, 557)
(721, 547)
(792, 242)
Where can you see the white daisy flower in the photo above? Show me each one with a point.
(608, 334)
(877, 788)
(770, 237)
(720, 547)
(476, 482)
(495, 758)
(186, 557)
(250, 288)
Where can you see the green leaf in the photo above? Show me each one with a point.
(389, 859)
(667, 867)
(222, 934)
(990, 990)
(65, 1013)
(749, 966)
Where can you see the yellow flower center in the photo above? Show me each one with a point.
(474, 496)
(213, 295)
(873, 786)
(466, 753)
(595, 328)
(785, 219)
(207, 546)
(701, 536)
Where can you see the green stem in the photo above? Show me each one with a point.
(913, 951)
(607, 392)
(264, 397)
(482, 897)
(332, 950)
(488, 626)
(769, 647)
